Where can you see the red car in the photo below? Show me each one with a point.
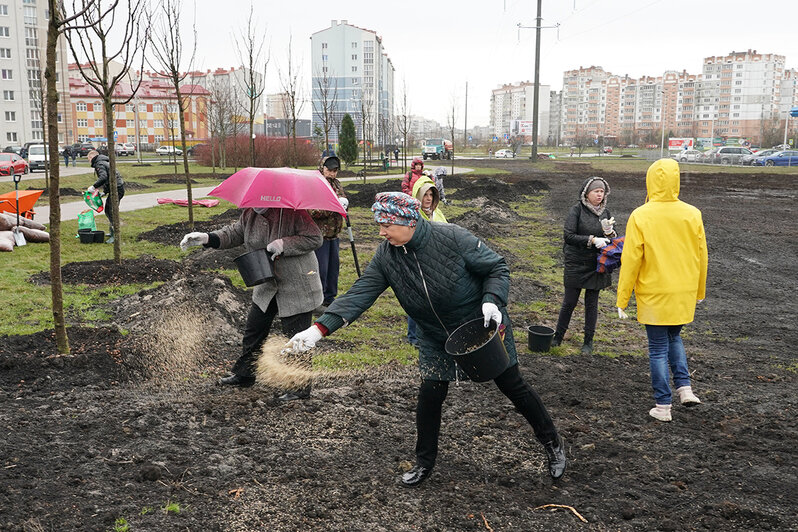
(12, 164)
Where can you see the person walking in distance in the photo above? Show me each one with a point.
(443, 277)
(664, 262)
(589, 227)
(330, 224)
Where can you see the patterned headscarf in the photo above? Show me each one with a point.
(395, 208)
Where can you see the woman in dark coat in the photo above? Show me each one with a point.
(443, 276)
(588, 228)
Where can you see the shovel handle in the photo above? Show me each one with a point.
(17, 178)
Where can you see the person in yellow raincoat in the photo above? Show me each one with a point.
(664, 261)
(425, 191)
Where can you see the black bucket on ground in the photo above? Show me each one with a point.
(99, 237)
(255, 267)
(478, 350)
(86, 236)
(540, 337)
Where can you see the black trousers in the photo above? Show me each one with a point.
(569, 301)
(109, 208)
(430, 404)
(257, 329)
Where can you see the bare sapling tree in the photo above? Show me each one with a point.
(249, 46)
(294, 101)
(57, 24)
(325, 101)
(115, 35)
(403, 122)
(220, 115)
(451, 124)
(366, 109)
(169, 56)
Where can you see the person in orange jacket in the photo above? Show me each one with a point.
(416, 171)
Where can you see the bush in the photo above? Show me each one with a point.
(270, 152)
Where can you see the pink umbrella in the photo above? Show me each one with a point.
(279, 188)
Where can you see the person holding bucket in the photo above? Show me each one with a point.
(102, 169)
(664, 261)
(444, 277)
(290, 237)
(589, 227)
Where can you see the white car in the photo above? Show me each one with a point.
(689, 156)
(503, 154)
(168, 150)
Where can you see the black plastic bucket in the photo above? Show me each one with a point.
(478, 350)
(540, 337)
(255, 267)
(99, 237)
(86, 236)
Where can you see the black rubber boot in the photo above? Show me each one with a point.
(555, 452)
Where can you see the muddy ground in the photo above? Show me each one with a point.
(133, 420)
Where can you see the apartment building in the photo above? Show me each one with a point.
(512, 104)
(352, 72)
(150, 119)
(735, 95)
(23, 36)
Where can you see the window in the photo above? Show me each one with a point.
(354, 45)
(6, 74)
(5, 53)
(354, 69)
(29, 2)
(158, 123)
(31, 37)
(3, 9)
(143, 124)
(30, 15)
(324, 57)
(142, 108)
(157, 108)
(158, 138)
(82, 122)
(11, 116)
(354, 57)
(130, 124)
(98, 122)
(130, 107)
(80, 106)
(60, 118)
(8, 96)
(324, 45)
(11, 136)
(5, 31)
(324, 70)
(83, 138)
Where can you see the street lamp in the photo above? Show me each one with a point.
(662, 123)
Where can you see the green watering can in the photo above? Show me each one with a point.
(94, 201)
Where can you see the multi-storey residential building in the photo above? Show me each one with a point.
(350, 65)
(151, 118)
(514, 103)
(277, 105)
(23, 36)
(736, 95)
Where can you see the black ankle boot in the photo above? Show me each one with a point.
(238, 380)
(587, 347)
(416, 476)
(294, 395)
(555, 451)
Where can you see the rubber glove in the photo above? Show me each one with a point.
(305, 340)
(91, 190)
(607, 225)
(600, 242)
(344, 203)
(275, 247)
(621, 314)
(700, 301)
(491, 312)
(193, 239)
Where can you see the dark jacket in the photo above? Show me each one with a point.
(579, 267)
(329, 222)
(441, 278)
(102, 169)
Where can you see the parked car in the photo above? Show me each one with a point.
(130, 148)
(193, 149)
(689, 156)
(37, 157)
(607, 149)
(726, 155)
(780, 158)
(749, 159)
(782, 147)
(120, 150)
(504, 154)
(13, 149)
(168, 150)
(13, 164)
(83, 148)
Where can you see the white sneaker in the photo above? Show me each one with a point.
(686, 396)
(661, 412)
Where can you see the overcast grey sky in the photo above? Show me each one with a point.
(436, 47)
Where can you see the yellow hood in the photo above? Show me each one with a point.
(662, 181)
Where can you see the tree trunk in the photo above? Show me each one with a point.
(56, 284)
(114, 195)
(189, 194)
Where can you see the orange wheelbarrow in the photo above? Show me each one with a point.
(27, 199)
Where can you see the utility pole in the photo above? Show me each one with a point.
(465, 121)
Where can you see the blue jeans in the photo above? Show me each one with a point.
(665, 349)
(329, 266)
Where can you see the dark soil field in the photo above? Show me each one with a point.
(131, 429)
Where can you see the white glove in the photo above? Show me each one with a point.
(193, 239)
(621, 314)
(491, 312)
(91, 190)
(700, 301)
(305, 340)
(600, 242)
(607, 225)
(344, 203)
(275, 247)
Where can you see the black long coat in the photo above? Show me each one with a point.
(579, 268)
